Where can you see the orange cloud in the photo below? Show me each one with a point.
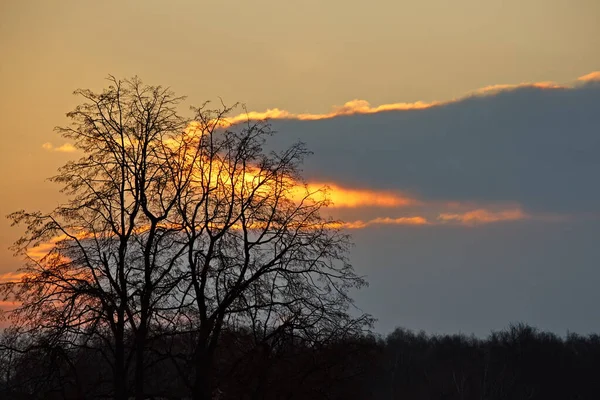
(337, 196)
(11, 277)
(8, 305)
(358, 106)
(482, 216)
(37, 253)
(472, 218)
(411, 221)
(502, 87)
(65, 148)
(352, 107)
(40, 251)
(341, 197)
(592, 76)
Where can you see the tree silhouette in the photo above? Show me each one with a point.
(182, 228)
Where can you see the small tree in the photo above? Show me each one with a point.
(175, 226)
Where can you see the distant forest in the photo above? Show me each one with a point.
(517, 363)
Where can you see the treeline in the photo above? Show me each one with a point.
(517, 363)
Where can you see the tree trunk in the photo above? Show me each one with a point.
(141, 339)
(263, 372)
(142, 332)
(120, 374)
(140, 346)
(202, 389)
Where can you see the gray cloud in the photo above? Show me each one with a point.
(538, 147)
(535, 147)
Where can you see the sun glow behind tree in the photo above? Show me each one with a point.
(179, 225)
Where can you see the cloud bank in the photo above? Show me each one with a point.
(358, 106)
(537, 146)
(534, 145)
(449, 203)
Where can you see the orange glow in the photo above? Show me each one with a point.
(592, 76)
(65, 148)
(341, 197)
(252, 179)
(352, 107)
(40, 251)
(503, 87)
(11, 277)
(8, 305)
(358, 106)
(482, 216)
(411, 221)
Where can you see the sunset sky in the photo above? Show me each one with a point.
(460, 138)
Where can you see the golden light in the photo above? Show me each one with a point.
(341, 197)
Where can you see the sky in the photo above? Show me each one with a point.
(460, 138)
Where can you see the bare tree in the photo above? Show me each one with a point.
(101, 271)
(259, 252)
(182, 227)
